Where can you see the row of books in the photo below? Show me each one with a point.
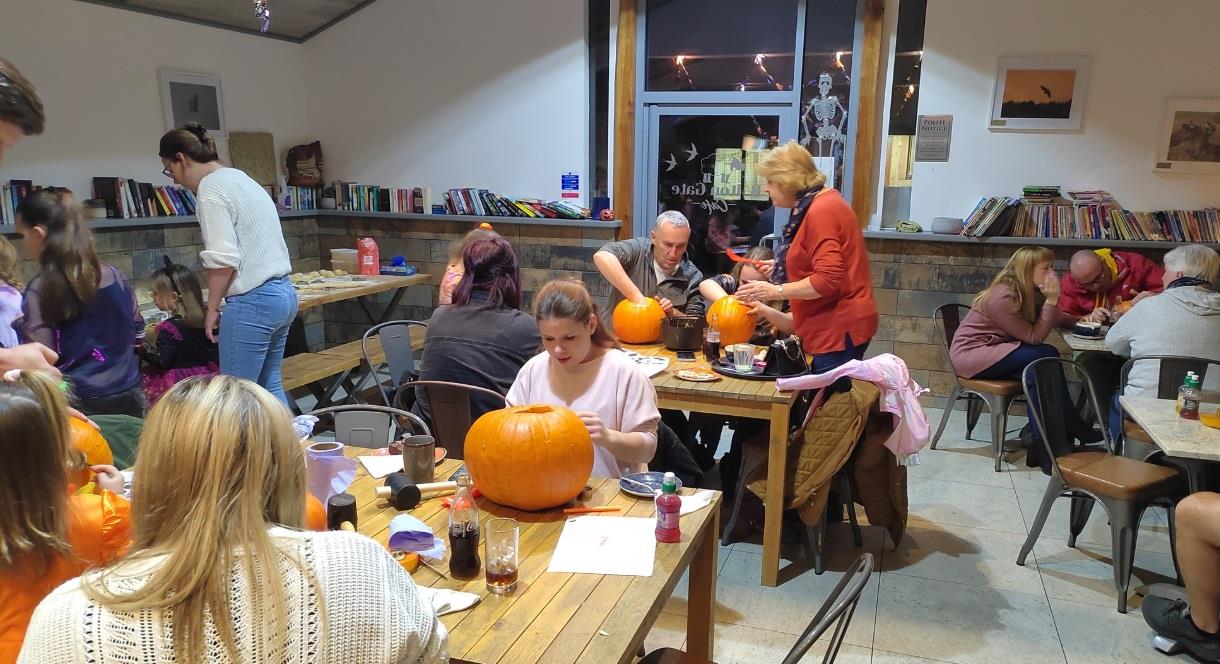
(1014, 217)
(489, 204)
(13, 193)
(127, 199)
(375, 198)
(301, 198)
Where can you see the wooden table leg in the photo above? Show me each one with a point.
(777, 458)
(701, 607)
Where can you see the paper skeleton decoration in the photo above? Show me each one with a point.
(819, 119)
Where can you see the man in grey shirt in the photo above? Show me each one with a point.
(655, 267)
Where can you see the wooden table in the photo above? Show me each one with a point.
(1081, 344)
(1188, 440)
(381, 283)
(756, 399)
(562, 617)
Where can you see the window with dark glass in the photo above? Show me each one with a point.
(718, 45)
(830, 28)
(904, 112)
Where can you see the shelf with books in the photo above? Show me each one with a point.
(1090, 215)
(888, 234)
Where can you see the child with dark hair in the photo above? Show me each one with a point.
(181, 348)
(79, 307)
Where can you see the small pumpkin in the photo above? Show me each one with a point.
(529, 457)
(1123, 307)
(315, 513)
(734, 320)
(638, 323)
(88, 448)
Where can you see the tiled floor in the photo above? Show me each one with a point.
(951, 591)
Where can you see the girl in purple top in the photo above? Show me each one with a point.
(10, 293)
(79, 307)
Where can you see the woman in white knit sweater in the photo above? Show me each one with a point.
(218, 571)
(244, 256)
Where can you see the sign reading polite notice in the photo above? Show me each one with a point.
(932, 134)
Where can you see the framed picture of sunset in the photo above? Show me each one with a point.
(1039, 94)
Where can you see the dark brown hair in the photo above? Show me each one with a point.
(754, 254)
(490, 265)
(19, 103)
(179, 281)
(192, 140)
(568, 298)
(70, 270)
(34, 438)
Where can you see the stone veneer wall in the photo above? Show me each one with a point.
(544, 252)
(913, 277)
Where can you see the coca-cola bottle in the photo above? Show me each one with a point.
(464, 532)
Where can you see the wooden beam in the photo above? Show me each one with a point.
(624, 118)
(867, 164)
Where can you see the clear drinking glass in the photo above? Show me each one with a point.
(501, 538)
(743, 357)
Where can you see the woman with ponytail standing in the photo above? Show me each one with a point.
(244, 256)
(79, 307)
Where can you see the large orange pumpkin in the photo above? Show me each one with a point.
(88, 441)
(530, 457)
(734, 320)
(638, 323)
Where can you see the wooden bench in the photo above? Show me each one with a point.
(308, 370)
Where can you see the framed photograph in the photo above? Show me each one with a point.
(1039, 94)
(188, 97)
(1189, 141)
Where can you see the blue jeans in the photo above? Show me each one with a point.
(253, 331)
(824, 362)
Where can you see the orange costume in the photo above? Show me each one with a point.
(99, 531)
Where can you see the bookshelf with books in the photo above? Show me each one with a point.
(1086, 215)
(128, 199)
(11, 195)
(465, 201)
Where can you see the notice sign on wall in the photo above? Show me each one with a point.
(569, 185)
(932, 134)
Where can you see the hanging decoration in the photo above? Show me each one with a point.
(263, 13)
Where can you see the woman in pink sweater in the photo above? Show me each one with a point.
(582, 368)
(1006, 330)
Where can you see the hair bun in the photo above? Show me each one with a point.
(198, 130)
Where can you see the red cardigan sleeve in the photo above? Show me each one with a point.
(1146, 275)
(820, 234)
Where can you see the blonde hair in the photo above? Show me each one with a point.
(34, 437)
(8, 264)
(458, 246)
(1018, 276)
(790, 166)
(754, 254)
(218, 464)
(179, 282)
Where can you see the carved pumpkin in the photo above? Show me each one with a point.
(530, 457)
(638, 323)
(1123, 307)
(315, 513)
(88, 442)
(734, 320)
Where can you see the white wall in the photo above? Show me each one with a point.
(1142, 52)
(455, 93)
(96, 71)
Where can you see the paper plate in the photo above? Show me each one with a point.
(696, 376)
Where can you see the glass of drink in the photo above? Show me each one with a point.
(743, 357)
(501, 540)
(711, 344)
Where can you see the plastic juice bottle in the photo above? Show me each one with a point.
(1177, 407)
(1190, 395)
(669, 505)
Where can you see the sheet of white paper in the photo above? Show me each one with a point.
(649, 364)
(380, 466)
(620, 545)
(696, 501)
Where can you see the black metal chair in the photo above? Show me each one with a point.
(449, 405)
(999, 395)
(395, 338)
(1124, 487)
(1171, 371)
(837, 610)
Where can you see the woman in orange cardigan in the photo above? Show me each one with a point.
(46, 535)
(822, 265)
